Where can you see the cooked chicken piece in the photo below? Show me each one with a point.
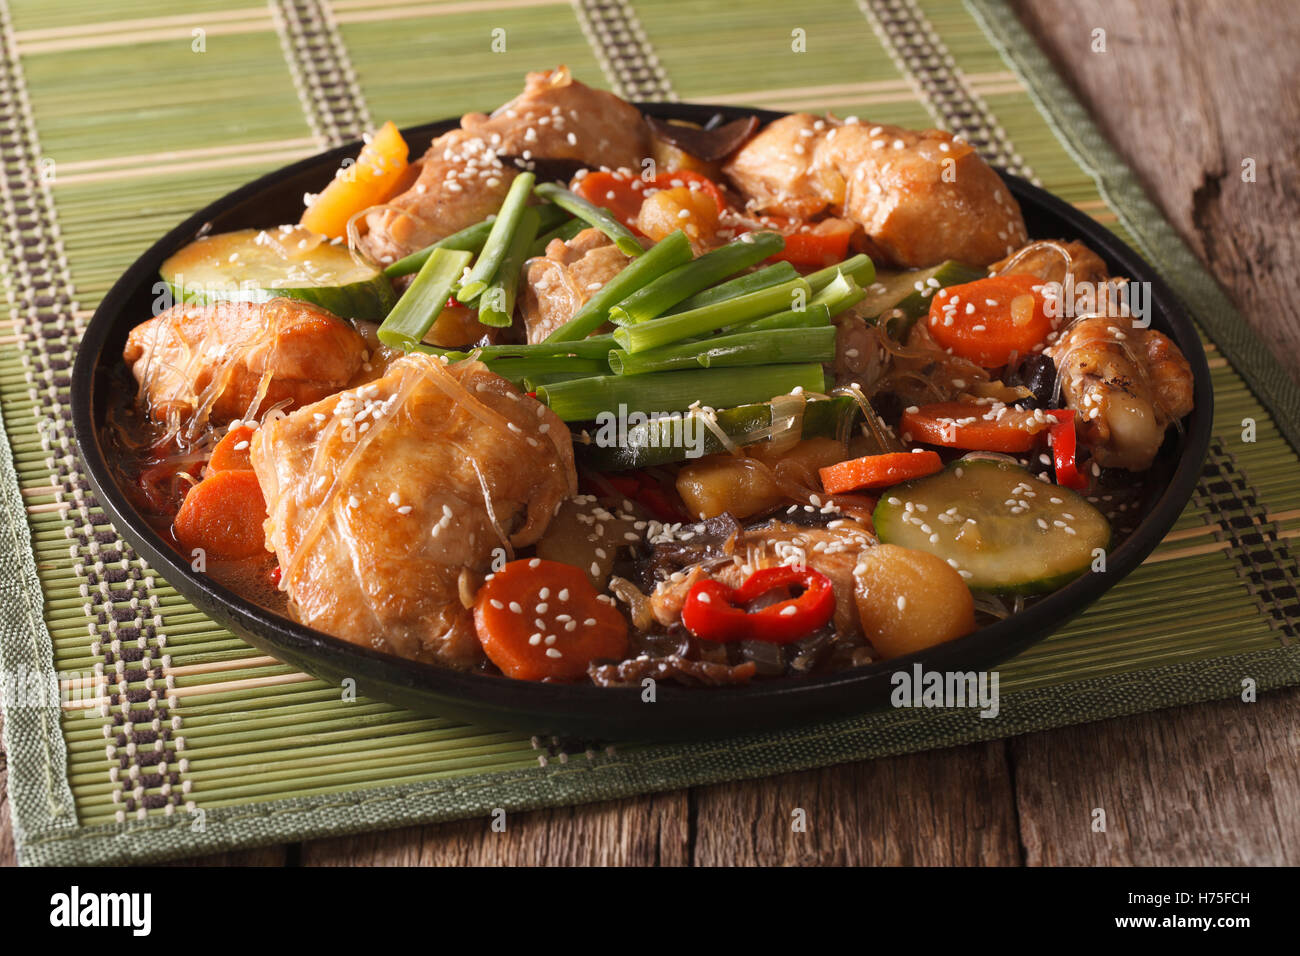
(1127, 384)
(1051, 260)
(214, 363)
(920, 197)
(566, 277)
(463, 178)
(556, 117)
(832, 551)
(387, 502)
(462, 181)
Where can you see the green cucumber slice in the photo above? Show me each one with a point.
(254, 265)
(998, 524)
(655, 443)
(895, 299)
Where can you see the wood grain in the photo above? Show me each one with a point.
(941, 807)
(1216, 784)
(1188, 92)
(651, 830)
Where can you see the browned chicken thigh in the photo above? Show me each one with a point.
(559, 283)
(200, 364)
(1127, 383)
(386, 502)
(463, 178)
(920, 197)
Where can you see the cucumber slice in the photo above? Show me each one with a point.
(895, 299)
(254, 265)
(655, 443)
(1008, 530)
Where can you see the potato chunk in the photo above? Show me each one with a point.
(724, 482)
(909, 600)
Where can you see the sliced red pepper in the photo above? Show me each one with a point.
(715, 612)
(1065, 448)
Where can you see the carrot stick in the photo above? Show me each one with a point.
(879, 471)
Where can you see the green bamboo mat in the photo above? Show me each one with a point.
(118, 120)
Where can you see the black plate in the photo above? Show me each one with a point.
(586, 710)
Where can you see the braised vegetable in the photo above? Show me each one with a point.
(879, 471)
(765, 347)
(909, 600)
(581, 400)
(710, 318)
(991, 320)
(496, 306)
(231, 453)
(715, 612)
(223, 515)
(500, 240)
(1065, 445)
(540, 620)
(686, 280)
(593, 215)
(368, 182)
(898, 299)
(662, 441)
(727, 484)
(252, 265)
(420, 304)
(1001, 527)
(986, 427)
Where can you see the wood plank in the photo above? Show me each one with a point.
(1211, 785)
(1187, 92)
(939, 808)
(641, 831)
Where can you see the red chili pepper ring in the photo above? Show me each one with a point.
(715, 612)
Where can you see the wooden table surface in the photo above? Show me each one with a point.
(1186, 91)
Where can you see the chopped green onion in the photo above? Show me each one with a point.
(470, 239)
(684, 325)
(590, 213)
(859, 268)
(517, 370)
(668, 253)
(810, 318)
(496, 306)
(686, 280)
(418, 308)
(498, 240)
(584, 398)
(596, 346)
(842, 293)
(763, 278)
(745, 348)
(565, 230)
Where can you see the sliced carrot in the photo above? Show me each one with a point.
(824, 244)
(578, 625)
(231, 453)
(989, 320)
(223, 515)
(371, 180)
(879, 471)
(973, 427)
